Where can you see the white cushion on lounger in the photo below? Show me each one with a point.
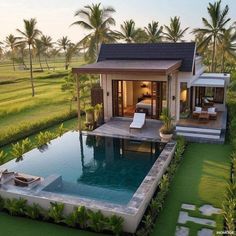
(198, 109)
(138, 121)
(211, 109)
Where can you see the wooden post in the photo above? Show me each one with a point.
(78, 101)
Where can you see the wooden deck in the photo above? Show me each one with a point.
(219, 123)
(119, 127)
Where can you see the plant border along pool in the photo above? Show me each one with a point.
(132, 213)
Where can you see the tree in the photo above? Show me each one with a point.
(227, 45)
(38, 47)
(72, 50)
(47, 44)
(174, 33)
(213, 27)
(154, 32)
(64, 43)
(54, 52)
(29, 34)
(21, 46)
(97, 21)
(11, 42)
(129, 33)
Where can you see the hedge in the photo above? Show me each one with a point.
(26, 129)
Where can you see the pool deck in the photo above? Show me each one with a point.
(119, 127)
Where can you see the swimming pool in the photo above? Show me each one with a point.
(95, 167)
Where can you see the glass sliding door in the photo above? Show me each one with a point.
(158, 99)
(117, 98)
(139, 96)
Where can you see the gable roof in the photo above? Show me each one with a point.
(150, 51)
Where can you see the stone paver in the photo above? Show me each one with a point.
(184, 218)
(209, 210)
(188, 207)
(181, 231)
(205, 232)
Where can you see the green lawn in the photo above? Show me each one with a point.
(200, 179)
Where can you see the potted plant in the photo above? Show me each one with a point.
(98, 114)
(89, 111)
(167, 129)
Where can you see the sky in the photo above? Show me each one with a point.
(54, 17)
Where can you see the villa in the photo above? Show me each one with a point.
(149, 77)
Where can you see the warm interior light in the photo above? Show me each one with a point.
(183, 95)
(144, 84)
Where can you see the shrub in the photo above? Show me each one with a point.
(26, 129)
(97, 221)
(148, 224)
(56, 212)
(17, 150)
(114, 224)
(16, 207)
(83, 215)
(3, 157)
(20, 148)
(34, 211)
(43, 138)
(61, 130)
(72, 219)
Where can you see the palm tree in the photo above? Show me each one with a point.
(97, 21)
(47, 44)
(227, 45)
(128, 32)
(174, 33)
(54, 52)
(72, 50)
(38, 47)
(11, 42)
(154, 33)
(21, 49)
(63, 43)
(214, 27)
(29, 34)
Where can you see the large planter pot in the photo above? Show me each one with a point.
(166, 137)
(89, 116)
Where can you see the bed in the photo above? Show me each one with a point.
(147, 103)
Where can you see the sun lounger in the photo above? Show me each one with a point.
(6, 175)
(23, 181)
(138, 121)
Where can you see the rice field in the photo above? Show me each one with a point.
(16, 102)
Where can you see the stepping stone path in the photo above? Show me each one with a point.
(184, 218)
(188, 207)
(208, 210)
(181, 231)
(205, 232)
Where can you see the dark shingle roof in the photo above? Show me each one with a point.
(156, 51)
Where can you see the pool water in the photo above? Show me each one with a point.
(101, 168)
